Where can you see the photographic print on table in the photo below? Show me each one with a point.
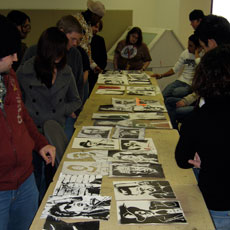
(95, 132)
(112, 79)
(53, 223)
(117, 108)
(95, 143)
(123, 102)
(141, 78)
(133, 156)
(144, 145)
(78, 185)
(129, 133)
(147, 116)
(93, 155)
(78, 207)
(149, 108)
(144, 90)
(150, 212)
(85, 168)
(143, 190)
(135, 170)
(110, 116)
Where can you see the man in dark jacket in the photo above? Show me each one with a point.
(19, 136)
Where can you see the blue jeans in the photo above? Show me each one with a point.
(221, 219)
(177, 89)
(18, 207)
(175, 113)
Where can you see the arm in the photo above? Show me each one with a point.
(115, 61)
(166, 74)
(145, 66)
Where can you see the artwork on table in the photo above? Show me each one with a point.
(133, 156)
(110, 90)
(106, 122)
(112, 79)
(110, 116)
(148, 116)
(93, 155)
(53, 223)
(147, 124)
(146, 144)
(141, 78)
(143, 190)
(117, 108)
(95, 143)
(78, 185)
(141, 90)
(150, 212)
(95, 132)
(78, 207)
(85, 168)
(136, 170)
(122, 102)
(129, 133)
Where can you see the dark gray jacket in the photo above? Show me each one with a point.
(44, 104)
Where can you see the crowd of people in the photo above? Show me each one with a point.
(56, 75)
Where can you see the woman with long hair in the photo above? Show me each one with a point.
(132, 53)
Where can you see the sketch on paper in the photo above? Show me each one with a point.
(85, 168)
(148, 116)
(129, 133)
(95, 132)
(143, 190)
(89, 207)
(95, 143)
(78, 185)
(146, 144)
(93, 155)
(133, 156)
(110, 116)
(113, 108)
(53, 223)
(150, 212)
(136, 170)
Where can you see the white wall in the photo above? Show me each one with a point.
(171, 14)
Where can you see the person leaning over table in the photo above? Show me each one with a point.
(132, 53)
(204, 135)
(19, 136)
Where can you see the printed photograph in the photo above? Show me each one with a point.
(113, 108)
(147, 116)
(143, 190)
(110, 116)
(141, 78)
(136, 170)
(146, 144)
(95, 132)
(78, 207)
(106, 122)
(144, 90)
(150, 212)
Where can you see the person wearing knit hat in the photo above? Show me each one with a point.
(96, 7)
(18, 191)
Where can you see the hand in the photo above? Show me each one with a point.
(48, 153)
(73, 115)
(180, 103)
(156, 75)
(196, 162)
(97, 69)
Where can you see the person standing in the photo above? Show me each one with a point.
(19, 136)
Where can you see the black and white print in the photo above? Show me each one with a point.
(89, 207)
(136, 170)
(129, 133)
(141, 78)
(117, 108)
(150, 212)
(110, 116)
(145, 90)
(146, 144)
(95, 132)
(78, 185)
(147, 116)
(106, 122)
(112, 79)
(133, 156)
(143, 190)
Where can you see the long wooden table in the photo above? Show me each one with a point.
(182, 181)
